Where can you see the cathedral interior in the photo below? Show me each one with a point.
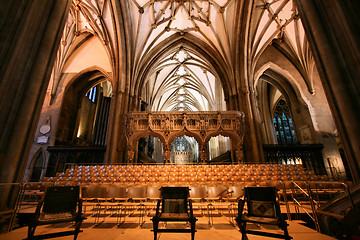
(179, 85)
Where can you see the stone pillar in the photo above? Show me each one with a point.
(203, 156)
(166, 154)
(239, 153)
(116, 140)
(130, 156)
(332, 30)
(30, 37)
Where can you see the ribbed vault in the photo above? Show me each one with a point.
(208, 20)
(277, 22)
(183, 81)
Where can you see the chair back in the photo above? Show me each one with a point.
(216, 192)
(153, 192)
(116, 191)
(261, 201)
(60, 202)
(96, 190)
(136, 192)
(174, 199)
(198, 192)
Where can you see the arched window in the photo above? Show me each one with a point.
(283, 123)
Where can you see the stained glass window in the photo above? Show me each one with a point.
(92, 94)
(283, 123)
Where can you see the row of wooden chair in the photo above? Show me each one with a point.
(179, 167)
(185, 174)
(173, 204)
(120, 198)
(109, 170)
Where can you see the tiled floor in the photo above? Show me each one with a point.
(130, 229)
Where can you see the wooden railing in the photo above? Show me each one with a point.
(309, 155)
(62, 155)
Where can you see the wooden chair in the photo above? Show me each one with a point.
(58, 205)
(175, 207)
(262, 208)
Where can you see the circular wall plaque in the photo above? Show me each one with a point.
(45, 129)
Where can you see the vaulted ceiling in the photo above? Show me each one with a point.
(210, 21)
(208, 58)
(182, 82)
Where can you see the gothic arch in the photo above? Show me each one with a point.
(71, 101)
(134, 139)
(282, 79)
(234, 137)
(95, 74)
(270, 79)
(37, 162)
(172, 137)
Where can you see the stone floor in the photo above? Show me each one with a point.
(130, 229)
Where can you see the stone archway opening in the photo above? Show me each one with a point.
(84, 112)
(36, 167)
(150, 150)
(219, 149)
(184, 150)
(170, 125)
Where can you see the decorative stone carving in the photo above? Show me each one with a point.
(131, 155)
(167, 126)
(239, 153)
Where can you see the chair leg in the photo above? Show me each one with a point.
(155, 226)
(31, 231)
(77, 228)
(286, 233)
(118, 219)
(142, 214)
(192, 230)
(243, 231)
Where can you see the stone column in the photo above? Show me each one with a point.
(130, 156)
(239, 153)
(116, 142)
(203, 154)
(166, 154)
(30, 36)
(332, 29)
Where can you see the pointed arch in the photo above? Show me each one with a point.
(72, 100)
(36, 166)
(136, 138)
(282, 79)
(212, 58)
(172, 137)
(270, 83)
(233, 136)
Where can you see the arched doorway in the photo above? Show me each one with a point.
(184, 150)
(36, 167)
(219, 149)
(150, 150)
